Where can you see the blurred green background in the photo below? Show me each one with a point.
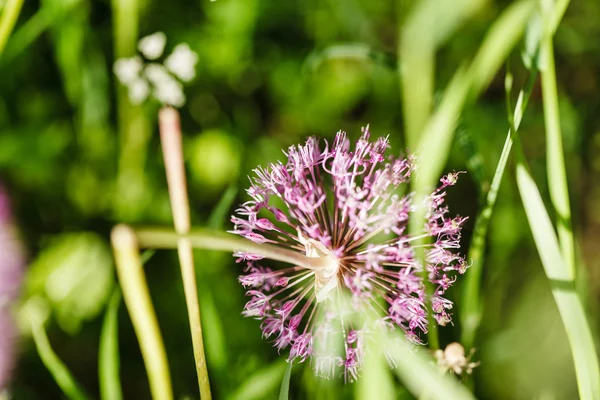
(77, 159)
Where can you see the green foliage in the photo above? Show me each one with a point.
(77, 158)
(74, 274)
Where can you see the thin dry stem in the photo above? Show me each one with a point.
(170, 134)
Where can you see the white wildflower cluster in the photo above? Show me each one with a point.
(145, 77)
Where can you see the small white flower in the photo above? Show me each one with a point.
(157, 74)
(182, 62)
(152, 46)
(128, 70)
(169, 92)
(162, 82)
(138, 91)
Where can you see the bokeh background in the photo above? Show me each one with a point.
(76, 158)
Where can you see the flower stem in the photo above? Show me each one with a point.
(143, 317)
(161, 238)
(170, 133)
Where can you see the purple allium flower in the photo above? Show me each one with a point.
(346, 207)
(12, 263)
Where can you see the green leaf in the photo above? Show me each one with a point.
(108, 360)
(284, 391)
(75, 273)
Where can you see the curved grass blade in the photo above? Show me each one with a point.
(108, 360)
(563, 286)
(438, 134)
(284, 391)
(10, 14)
(469, 81)
(428, 25)
(556, 170)
(59, 371)
(471, 306)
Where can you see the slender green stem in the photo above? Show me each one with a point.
(161, 238)
(555, 163)
(472, 305)
(57, 368)
(108, 360)
(170, 132)
(141, 311)
(10, 14)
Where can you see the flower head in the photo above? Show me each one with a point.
(345, 206)
(145, 79)
(11, 276)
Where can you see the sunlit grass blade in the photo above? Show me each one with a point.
(501, 38)
(377, 380)
(471, 305)
(264, 380)
(108, 358)
(555, 162)
(428, 25)
(563, 286)
(61, 374)
(284, 391)
(10, 13)
(436, 141)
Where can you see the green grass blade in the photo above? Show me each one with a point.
(563, 286)
(61, 374)
(284, 391)
(428, 25)
(108, 360)
(377, 380)
(8, 19)
(471, 305)
(439, 132)
(555, 162)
